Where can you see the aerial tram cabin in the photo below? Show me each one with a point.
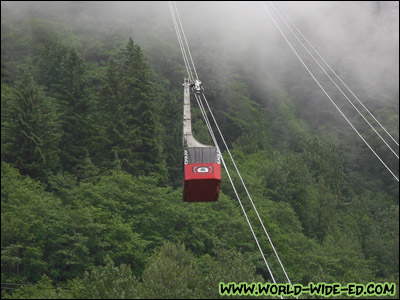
(202, 163)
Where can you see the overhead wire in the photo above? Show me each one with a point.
(366, 109)
(233, 185)
(184, 38)
(325, 92)
(247, 192)
(185, 59)
(203, 111)
(322, 68)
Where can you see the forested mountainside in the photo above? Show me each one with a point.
(91, 151)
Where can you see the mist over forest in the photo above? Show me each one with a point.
(360, 39)
(92, 146)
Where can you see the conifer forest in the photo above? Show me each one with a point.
(92, 155)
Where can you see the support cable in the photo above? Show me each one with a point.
(213, 136)
(312, 75)
(322, 68)
(233, 185)
(297, 29)
(202, 109)
(184, 38)
(185, 59)
(245, 187)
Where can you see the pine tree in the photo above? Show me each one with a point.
(49, 64)
(133, 127)
(75, 104)
(30, 130)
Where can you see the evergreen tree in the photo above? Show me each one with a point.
(49, 60)
(171, 114)
(75, 105)
(133, 129)
(30, 130)
(330, 207)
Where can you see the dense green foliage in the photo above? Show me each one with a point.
(91, 173)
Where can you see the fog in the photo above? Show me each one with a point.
(359, 39)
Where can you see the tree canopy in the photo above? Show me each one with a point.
(91, 189)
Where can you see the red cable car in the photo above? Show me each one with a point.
(202, 163)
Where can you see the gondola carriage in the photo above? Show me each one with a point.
(202, 163)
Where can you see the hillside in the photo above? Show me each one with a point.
(91, 150)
